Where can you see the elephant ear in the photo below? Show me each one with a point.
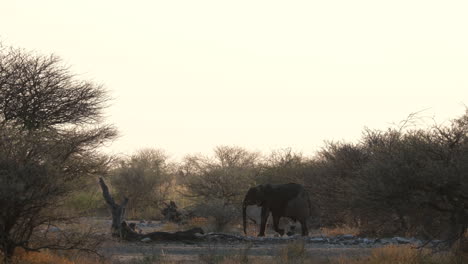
(262, 191)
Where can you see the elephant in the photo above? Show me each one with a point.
(254, 216)
(282, 200)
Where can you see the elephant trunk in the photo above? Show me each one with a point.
(244, 221)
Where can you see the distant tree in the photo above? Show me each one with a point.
(420, 178)
(226, 176)
(218, 184)
(399, 181)
(145, 178)
(283, 166)
(50, 129)
(330, 175)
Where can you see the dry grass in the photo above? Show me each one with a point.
(170, 227)
(197, 222)
(294, 252)
(252, 229)
(47, 257)
(340, 230)
(405, 255)
(211, 256)
(40, 258)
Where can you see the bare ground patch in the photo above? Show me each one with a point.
(214, 247)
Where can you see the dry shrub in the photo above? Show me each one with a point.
(197, 222)
(97, 225)
(170, 227)
(50, 256)
(40, 258)
(43, 257)
(252, 229)
(220, 214)
(340, 230)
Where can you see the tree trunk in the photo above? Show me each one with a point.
(8, 249)
(118, 211)
(122, 230)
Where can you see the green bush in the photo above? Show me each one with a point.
(85, 202)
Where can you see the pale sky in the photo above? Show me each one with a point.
(187, 76)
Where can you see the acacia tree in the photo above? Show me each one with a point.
(283, 166)
(330, 176)
(218, 184)
(226, 176)
(419, 178)
(50, 128)
(145, 178)
(399, 181)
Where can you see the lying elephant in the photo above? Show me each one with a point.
(288, 200)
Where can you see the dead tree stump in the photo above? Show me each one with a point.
(117, 211)
(121, 229)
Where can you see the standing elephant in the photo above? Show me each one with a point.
(289, 200)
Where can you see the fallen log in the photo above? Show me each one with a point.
(131, 235)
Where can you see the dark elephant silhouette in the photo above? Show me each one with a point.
(282, 200)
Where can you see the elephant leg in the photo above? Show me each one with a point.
(305, 230)
(276, 219)
(263, 221)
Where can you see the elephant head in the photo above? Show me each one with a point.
(255, 196)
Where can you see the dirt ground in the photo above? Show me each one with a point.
(188, 253)
(195, 251)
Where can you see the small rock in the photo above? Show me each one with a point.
(402, 240)
(317, 240)
(385, 241)
(54, 229)
(367, 241)
(146, 240)
(347, 236)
